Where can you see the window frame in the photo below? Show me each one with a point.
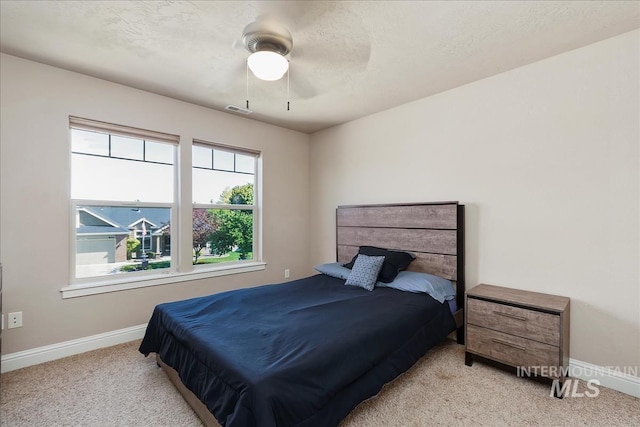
(180, 270)
(256, 243)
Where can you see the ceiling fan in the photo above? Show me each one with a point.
(331, 47)
(269, 42)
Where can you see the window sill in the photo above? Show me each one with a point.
(85, 289)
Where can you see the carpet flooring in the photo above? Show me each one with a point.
(117, 386)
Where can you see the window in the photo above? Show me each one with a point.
(122, 197)
(125, 205)
(224, 204)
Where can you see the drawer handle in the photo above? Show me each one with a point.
(510, 316)
(508, 344)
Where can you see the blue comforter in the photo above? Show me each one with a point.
(302, 353)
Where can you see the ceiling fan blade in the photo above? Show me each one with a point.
(292, 14)
(238, 45)
(301, 86)
(347, 57)
(322, 63)
(342, 47)
(228, 76)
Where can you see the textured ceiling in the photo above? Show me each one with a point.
(349, 59)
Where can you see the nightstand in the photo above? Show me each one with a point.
(522, 329)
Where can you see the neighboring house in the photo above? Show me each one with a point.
(102, 232)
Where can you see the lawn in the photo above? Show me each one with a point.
(233, 256)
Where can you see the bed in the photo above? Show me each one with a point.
(306, 352)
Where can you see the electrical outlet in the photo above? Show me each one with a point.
(286, 273)
(15, 320)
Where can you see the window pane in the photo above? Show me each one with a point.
(105, 178)
(202, 157)
(246, 164)
(114, 240)
(158, 152)
(127, 148)
(83, 141)
(232, 238)
(211, 186)
(223, 160)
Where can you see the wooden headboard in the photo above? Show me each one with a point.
(434, 232)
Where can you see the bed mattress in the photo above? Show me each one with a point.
(302, 353)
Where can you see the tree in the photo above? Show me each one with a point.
(234, 227)
(132, 245)
(238, 195)
(203, 227)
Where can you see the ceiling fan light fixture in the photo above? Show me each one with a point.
(268, 65)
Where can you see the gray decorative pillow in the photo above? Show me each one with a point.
(365, 271)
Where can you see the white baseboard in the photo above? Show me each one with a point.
(22, 359)
(615, 378)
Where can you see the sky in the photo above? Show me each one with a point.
(95, 177)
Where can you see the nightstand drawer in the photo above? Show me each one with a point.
(509, 349)
(534, 325)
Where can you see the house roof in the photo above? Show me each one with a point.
(120, 220)
(96, 229)
(128, 217)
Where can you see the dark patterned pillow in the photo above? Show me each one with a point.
(365, 271)
(395, 261)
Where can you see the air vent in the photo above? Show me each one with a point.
(236, 109)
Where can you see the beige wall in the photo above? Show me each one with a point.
(36, 101)
(546, 159)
